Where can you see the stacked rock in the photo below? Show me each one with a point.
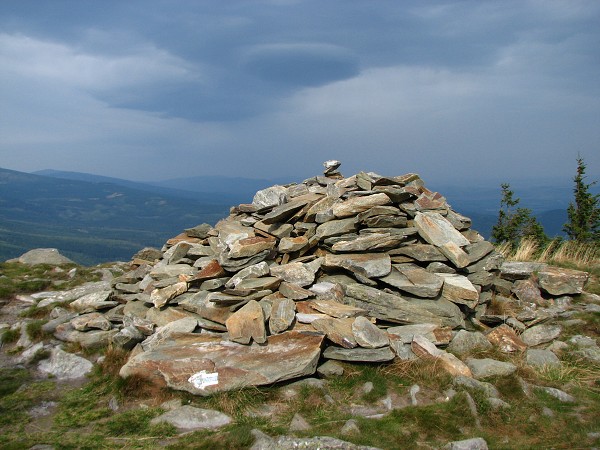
(369, 267)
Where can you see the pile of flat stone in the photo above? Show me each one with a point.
(366, 268)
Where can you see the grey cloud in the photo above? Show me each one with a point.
(301, 64)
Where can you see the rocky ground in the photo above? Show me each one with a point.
(351, 312)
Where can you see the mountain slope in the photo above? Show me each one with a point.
(92, 222)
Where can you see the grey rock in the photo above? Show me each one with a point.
(128, 337)
(435, 333)
(49, 256)
(93, 302)
(255, 271)
(557, 393)
(295, 272)
(201, 231)
(350, 427)
(163, 333)
(203, 364)
(514, 270)
(335, 228)
(467, 444)
(248, 323)
(367, 334)
(540, 358)
(436, 230)
(540, 334)
(390, 307)
(91, 321)
(559, 281)
(330, 368)
(299, 423)
(264, 442)
(338, 331)
(160, 297)
(283, 312)
(414, 280)
(187, 418)
(65, 366)
(471, 383)
(458, 289)
(270, 197)
(465, 342)
(370, 265)
(487, 367)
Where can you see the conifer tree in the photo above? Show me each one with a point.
(584, 212)
(515, 223)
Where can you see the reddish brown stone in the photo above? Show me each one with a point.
(212, 270)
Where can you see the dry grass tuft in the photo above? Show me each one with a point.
(580, 254)
(424, 371)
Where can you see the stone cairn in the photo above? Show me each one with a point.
(365, 269)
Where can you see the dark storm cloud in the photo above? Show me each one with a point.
(244, 87)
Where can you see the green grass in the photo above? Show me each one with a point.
(17, 278)
(8, 336)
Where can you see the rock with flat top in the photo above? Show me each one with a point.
(203, 365)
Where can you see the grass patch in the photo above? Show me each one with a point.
(17, 278)
(12, 379)
(355, 377)
(9, 336)
(230, 437)
(136, 422)
(35, 332)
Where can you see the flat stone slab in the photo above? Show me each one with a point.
(203, 365)
(390, 307)
(295, 273)
(336, 309)
(515, 270)
(370, 265)
(359, 354)
(248, 323)
(188, 418)
(357, 205)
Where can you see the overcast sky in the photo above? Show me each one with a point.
(457, 91)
